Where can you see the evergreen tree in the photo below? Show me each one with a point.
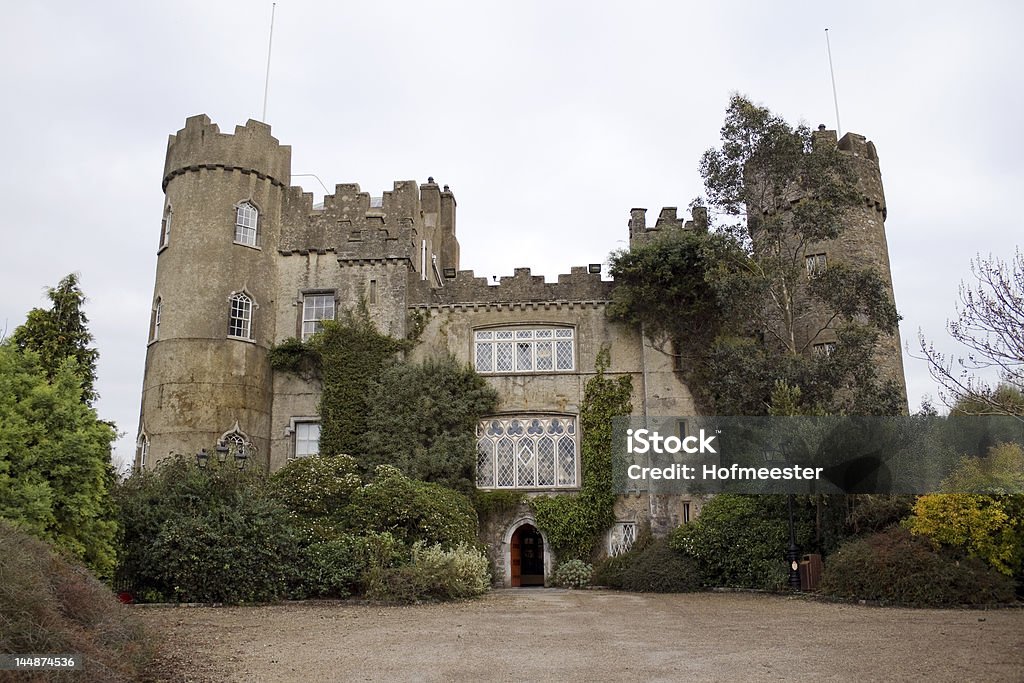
(61, 332)
(55, 471)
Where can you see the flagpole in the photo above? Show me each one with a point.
(832, 73)
(270, 44)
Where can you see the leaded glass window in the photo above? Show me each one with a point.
(527, 452)
(621, 538)
(523, 350)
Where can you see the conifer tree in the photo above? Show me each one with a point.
(60, 332)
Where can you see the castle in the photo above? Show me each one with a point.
(246, 261)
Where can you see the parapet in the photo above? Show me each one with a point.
(668, 221)
(521, 289)
(251, 149)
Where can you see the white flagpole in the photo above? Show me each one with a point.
(835, 97)
(270, 44)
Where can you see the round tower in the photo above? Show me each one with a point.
(207, 373)
(861, 244)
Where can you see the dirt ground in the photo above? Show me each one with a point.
(559, 635)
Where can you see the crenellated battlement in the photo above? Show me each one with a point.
(668, 221)
(251, 149)
(522, 287)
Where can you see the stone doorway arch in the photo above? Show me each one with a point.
(527, 555)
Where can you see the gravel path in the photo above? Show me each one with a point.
(549, 634)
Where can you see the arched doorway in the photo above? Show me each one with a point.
(526, 555)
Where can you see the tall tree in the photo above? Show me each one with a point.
(60, 332)
(55, 470)
(990, 323)
(739, 308)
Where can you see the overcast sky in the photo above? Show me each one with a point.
(549, 120)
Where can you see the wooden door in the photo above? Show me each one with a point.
(516, 559)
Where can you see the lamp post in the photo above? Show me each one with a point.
(202, 458)
(793, 551)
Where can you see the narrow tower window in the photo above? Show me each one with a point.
(240, 321)
(165, 228)
(143, 451)
(154, 322)
(247, 219)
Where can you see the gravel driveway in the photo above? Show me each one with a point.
(550, 634)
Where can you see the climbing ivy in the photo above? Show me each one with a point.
(574, 524)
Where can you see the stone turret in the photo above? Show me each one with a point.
(207, 369)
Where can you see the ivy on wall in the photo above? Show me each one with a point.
(380, 409)
(575, 523)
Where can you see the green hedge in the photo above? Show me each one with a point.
(740, 541)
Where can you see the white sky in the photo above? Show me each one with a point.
(548, 120)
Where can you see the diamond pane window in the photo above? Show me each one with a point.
(816, 264)
(485, 463)
(526, 452)
(315, 309)
(505, 451)
(529, 350)
(524, 356)
(484, 357)
(247, 219)
(526, 472)
(563, 355)
(566, 462)
(621, 538)
(545, 462)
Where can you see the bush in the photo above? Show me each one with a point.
(740, 541)
(435, 573)
(873, 513)
(657, 568)
(49, 605)
(609, 572)
(573, 574)
(316, 486)
(331, 569)
(649, 566)
(412, 511)
(990, 528)
(206, 535)
(896, 568)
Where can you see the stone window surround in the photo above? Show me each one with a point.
(292, 431)
(525, 417)
(165, 228)
(816, 264)
(526, 326)
(241, 222)
(142, 446)
(253, 307)
(300, 302)
(154, 321)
